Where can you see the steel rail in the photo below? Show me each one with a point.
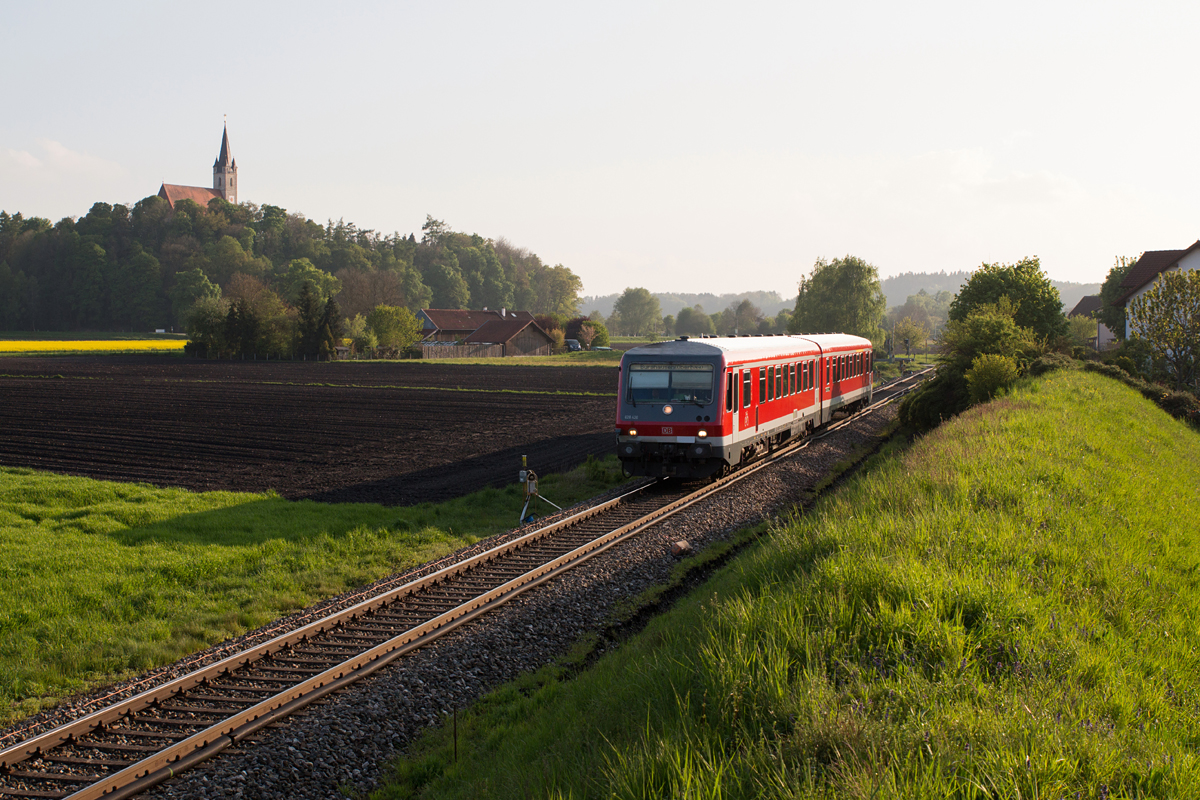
(198, 747)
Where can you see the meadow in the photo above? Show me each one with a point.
(100, 580)
(1004, 608)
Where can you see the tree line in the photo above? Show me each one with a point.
(145, 267)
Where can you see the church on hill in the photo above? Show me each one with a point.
(224, 181)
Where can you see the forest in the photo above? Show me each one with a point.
(143, 268)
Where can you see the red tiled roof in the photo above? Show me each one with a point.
(458, 319)
(502, 331)
(1086, 306)
(1148, 267)
(198, 194)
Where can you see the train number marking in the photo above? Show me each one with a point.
(668, 431)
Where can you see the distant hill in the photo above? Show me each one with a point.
(671, 303)
(898, 288)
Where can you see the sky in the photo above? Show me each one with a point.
(682, 147)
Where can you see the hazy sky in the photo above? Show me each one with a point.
(677, 146)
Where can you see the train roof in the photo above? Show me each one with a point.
(748, 348)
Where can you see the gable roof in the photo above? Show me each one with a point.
(456, 319)
(1148, 267)
(502, 331)
(198, 194)
(1086, 306)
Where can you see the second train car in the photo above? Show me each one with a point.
(697, 408)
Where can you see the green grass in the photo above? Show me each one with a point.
(1005, 609)
(585, 358)
(85, 336)
(99, 580)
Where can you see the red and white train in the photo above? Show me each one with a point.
(695, 408)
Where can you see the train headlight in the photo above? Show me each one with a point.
(633, 431)
(702, 434)
(668, 409)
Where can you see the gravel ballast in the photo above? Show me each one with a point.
(340, 745)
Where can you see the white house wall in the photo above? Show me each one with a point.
(1188, 263)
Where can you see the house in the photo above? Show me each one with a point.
(455, 324)
(224, 181)
(519, 336)
(1146, 270)
(1087, 307)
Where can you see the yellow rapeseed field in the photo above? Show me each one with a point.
(110, 346)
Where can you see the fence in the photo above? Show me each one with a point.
(462, 351)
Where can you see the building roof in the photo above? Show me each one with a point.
(503, 331)
(1086, 306)
(1148, 267)
(198, 194)
(226, 156)
(457, 319)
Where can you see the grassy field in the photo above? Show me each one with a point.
(99, 580)
(585, 358)
(1004, 609)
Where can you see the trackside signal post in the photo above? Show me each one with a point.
(528, 479)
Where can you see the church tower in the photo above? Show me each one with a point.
(225, 171)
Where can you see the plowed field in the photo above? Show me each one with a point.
(392, 433)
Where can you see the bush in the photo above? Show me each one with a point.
(989, 374)
(940, 399)
(1179, 404)
(1126, 363)
(1051, 362)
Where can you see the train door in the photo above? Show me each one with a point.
(733, 407)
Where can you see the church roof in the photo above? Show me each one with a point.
(197, 194)
(226, 155)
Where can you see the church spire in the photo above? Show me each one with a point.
(225, 170)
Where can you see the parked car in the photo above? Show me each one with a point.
(573, 345)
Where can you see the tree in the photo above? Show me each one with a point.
(308, 322)
(746, 317)
(639, 311)
(190, 287)
(205, 323)
(1113, 316)
(843, 296)
(693, 322)
(1167, 317)
(332, 328)
(301, 272)
(394, 326)
(587, 334)
(910, 335)
(1038, 306)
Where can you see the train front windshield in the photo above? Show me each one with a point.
(670, 383)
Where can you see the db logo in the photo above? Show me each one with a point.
(668, 431)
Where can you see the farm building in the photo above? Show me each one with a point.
(456, 324)
(518, 337)
(1146, 270)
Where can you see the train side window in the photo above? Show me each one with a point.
(791, 378)
(747, 385)
(730, 403)
(779, 381)
(762, 384)
(770, 383)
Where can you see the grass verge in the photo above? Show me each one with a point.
(1005, 608)
(100, 580)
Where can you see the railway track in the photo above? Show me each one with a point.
(136, 743)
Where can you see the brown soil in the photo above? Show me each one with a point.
(386, 433)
